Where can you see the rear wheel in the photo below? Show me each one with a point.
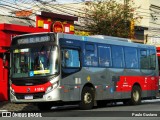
(87, 98)
(136, 95)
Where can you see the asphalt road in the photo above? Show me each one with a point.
(148, 110)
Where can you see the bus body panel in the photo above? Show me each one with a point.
(109, 83)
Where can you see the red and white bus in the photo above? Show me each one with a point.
(53, 68)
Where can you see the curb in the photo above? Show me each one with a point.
(2, 103)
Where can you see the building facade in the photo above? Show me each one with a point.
(148, 28)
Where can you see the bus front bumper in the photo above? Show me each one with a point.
(26, 98)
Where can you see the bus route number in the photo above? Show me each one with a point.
(39, 89)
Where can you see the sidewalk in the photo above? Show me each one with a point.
(17, 107)
(3, 103)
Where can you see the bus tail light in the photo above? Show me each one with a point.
(52, 87)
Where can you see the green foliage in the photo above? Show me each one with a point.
(109, 17)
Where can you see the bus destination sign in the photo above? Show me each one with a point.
(33, 39)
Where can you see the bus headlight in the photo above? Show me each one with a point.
(52, 87)
(12, 90)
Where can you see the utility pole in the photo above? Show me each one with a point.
(125, 9)
(125, 14)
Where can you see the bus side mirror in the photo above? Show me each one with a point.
(4, 61)
(66, 54)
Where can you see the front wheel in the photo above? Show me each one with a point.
(87, 98)
(136, 95)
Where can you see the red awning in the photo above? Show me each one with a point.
(19, 28)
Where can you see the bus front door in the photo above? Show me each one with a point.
(3, 80)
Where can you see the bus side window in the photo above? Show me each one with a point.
(144, 59)
(152, 54)
(91, 58)
(104, 55)
(117, 56)
(70, 58)
(131, 57)
(16, 64)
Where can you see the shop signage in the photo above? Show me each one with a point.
(57, 27)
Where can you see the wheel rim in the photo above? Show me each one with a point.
(87, 98)
(136, 96)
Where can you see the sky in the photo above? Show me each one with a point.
(31, 1)
(67, 1)
(59, 1)
(12, 4)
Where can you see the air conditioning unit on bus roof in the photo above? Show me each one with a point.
(111, 38)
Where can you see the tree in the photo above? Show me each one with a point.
(109, 17)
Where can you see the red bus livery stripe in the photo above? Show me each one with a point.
(31, 89)
(146, 83)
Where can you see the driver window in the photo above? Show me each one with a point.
(70, 58)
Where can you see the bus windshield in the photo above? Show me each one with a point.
(35, 61)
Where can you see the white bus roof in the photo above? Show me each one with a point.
(111, 38)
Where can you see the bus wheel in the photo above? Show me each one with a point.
(44, 106)
(87, 98)
(136, 95)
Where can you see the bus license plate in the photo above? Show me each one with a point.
(28, 97)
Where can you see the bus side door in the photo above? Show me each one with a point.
(3, 80)
(70, 64)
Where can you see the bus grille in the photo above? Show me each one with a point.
(35, 95)
(24, 82)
